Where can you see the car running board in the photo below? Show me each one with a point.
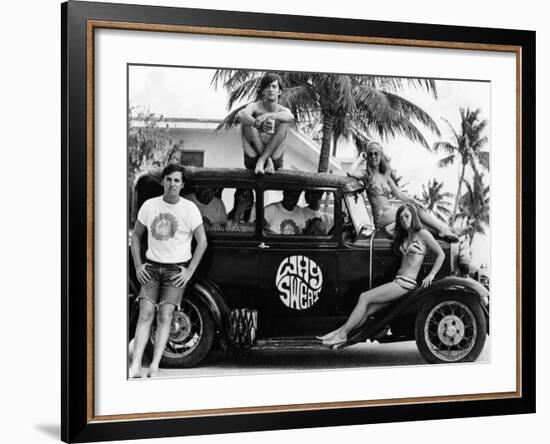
(298, 343)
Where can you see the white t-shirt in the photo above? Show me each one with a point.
(327, 219)
(281, 221)
(169, 229)
(213, 212)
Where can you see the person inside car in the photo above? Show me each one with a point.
(212, 209)
(285, 217)
(264, 128)
(242, 206)
(412, 242)
(313, 211)
(241, 218)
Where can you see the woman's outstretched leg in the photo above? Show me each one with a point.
(432, 222)
(379, 295)
(372, 308)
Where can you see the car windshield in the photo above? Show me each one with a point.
(356, 204)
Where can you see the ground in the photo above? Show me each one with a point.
(360, 355)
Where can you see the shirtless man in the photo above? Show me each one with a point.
(264, 128)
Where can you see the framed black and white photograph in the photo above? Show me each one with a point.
(282, 221)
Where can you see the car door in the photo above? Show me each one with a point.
(298, 276)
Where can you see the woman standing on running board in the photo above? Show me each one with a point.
(380, 187)
(412, 242)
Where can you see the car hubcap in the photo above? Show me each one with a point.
(450, 331)
(180, 327)
(185, 331)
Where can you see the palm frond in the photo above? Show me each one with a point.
(455, 134)
(446, 161)
(230, 120)
(247, 90)
(444, 146)
(484, 159)
(381, 103)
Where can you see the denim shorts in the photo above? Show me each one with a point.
(160, 289)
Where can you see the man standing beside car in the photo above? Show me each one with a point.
(170, 222)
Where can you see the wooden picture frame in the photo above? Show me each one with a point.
(80, 20)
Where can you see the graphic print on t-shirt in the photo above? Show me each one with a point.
(164, 227)
(288, 226)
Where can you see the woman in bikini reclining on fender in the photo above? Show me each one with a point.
(412, 242)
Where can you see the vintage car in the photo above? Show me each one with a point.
(261, 288)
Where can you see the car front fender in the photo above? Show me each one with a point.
(409, 305)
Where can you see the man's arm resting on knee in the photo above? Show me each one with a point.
(283, 115)
(246, 115)
(275, 141)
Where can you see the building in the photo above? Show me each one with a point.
(201, 145)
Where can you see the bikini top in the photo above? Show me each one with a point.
(377, 189)
(415, 247)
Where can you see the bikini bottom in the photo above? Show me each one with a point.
(378, 215)
(406, 283)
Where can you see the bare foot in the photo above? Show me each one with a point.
(260, 164)
(269, 167)
(328, 335)
(462, 231)
(135, 371)
(153, 372)
(336, 340)
(448, 235)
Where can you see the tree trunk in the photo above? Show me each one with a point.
(453, 217)
(334, 144)
(328, 124)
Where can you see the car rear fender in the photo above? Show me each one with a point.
(212, 296)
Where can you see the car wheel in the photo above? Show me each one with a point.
(450, 329)
(191, 335)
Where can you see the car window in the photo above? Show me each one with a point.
(225, 210)
(298, 212)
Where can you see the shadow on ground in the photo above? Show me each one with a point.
(51, 430)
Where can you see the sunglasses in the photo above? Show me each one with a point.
(373, 154)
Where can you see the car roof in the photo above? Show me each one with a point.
(284, 178)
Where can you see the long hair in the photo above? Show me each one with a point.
(399, 232)
(239, 192)
(384, 165)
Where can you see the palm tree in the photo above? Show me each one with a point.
(399, 181)
(474, 207)
(465, 148)
(345, 104)
(436, 201)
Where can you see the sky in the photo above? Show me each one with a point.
(188, 93)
